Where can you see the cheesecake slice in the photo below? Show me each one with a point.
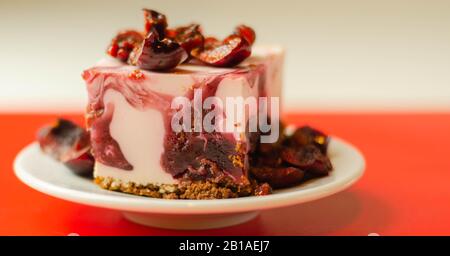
(130, 117)
(175, 113)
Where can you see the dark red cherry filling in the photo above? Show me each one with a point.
(159, 55)
(68, 143)
(104, 147)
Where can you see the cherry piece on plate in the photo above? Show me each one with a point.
(279, 177)
(306, 135)
(230, 52)
(158, 55)
(189, 37)
(267, 154)
(246, 32)
(155, 20)
(69, 144)
(124, 43)
(308, 158)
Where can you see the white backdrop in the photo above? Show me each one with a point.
(342, 55)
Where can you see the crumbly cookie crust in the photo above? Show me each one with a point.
(184, 190)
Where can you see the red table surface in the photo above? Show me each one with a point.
(404, 191)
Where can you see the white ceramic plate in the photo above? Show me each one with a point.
(51, 177)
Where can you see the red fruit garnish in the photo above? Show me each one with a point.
(156, 54)
(308, 158)
(211, 42)
(189, 37)
(68, 143)
(230, 52)
(123, 54)
(113, 49)
(246, 32)
(124, 43)
(155, 20)
(279, 163)
(279, 177)
(306, 136)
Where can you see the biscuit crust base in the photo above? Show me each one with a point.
(196, 190)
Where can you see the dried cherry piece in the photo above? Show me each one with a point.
(124, 43)
(246, 32)
(270, 161)
(69, 144)
(266, 154)
(279, 177)
(189, 37)
(267, 149)
(230, 52)
(82, 165)
(308, 158)
(155, 20)
(306, 135)
(211, 42)
(158, 55)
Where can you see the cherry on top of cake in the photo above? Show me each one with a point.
(160, 48)
(261, 55)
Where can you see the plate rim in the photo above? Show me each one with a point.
(180, 207)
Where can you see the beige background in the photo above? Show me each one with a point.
(342, 55)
